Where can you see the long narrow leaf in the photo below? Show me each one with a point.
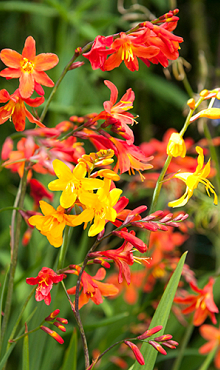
(25, 359)
(70, 358)
(1, 298)
(161, 315)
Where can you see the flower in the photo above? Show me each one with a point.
(211, 334)
(52, 223)
(202, 305)
(45, 280)
(176, 146)
(73, 184)
(92, 288)
(38, 191)
(16, 110)
(99, 207)
(192, 180)
(123, 257)
(116, 115)
(28, 67)
(98, 53)
(127, 48)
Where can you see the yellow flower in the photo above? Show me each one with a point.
(100, 207)
(192, 180)
(52, 223)
(73, 184)
(176, 146)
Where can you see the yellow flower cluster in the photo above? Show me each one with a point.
(76, 187)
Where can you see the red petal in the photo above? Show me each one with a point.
(32, 119)
(113, 61)
(29, 50)
(34, 102)
(45, 61)
(32, 280)
(4, 96)
(26, 87)
(18, 117)
(11, 58)
(114, 91)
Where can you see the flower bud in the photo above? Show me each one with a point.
(191, 103)
(52, 316)
(136, 352)
(150, 332)
(163, 338)
(59, 326)
(53, 334)
(158, 347)
(176, 146)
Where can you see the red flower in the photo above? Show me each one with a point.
(92, 289)
(203, 304)
(211, 334)
(131, 238)
(28, 67)
(116, 115)
(16, 110)
(98, 53)
(45, 280)
(128, 48)
(38, 192)
(122, 256)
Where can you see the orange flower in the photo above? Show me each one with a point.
(28, 67)
(211, 334)
(202, 305)
(16, 110)
(92, 289)
(128, 48)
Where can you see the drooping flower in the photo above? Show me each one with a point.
(92, 288)
(52, 223)
(212, 335)
(99, 52)
(73, 184)
(176, 146)
(16, 111)
(202, 304)
(99, 207)
(116, 115)
(127, 48)
(192, 180)
(28, 67)
(45, 280)
(123, 257)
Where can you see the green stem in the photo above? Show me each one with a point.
(15, 235)
(64, 248)
(184, 343)
(209, 359)
(11, 208)
(23, 335)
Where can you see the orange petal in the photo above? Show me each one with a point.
(26, 87)
(11, 58)
(209, 332)
(10, 72)
(42, 78)
(29, 50)
(45, 61)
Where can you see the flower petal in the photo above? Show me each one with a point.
(45, 61)
(11, 58)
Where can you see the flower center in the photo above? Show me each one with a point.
(127, 53)
(27, 66)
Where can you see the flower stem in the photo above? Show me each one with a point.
(185, 341)
(63, 248)
(15, 235)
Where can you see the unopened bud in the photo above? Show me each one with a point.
(150, 332)
(163, 338)
(53, 334)
(52, 316)
(76, 65)
(158, 347)
(136, 352)
(204, 93)
(191, 103)
(59, 326)
(63, 321)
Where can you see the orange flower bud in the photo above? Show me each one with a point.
(176, 146)
(150, 332)
(52, 316)
(204, 93)
(191, 103)
(53, 334)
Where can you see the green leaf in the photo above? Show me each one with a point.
(70, 358)
(208, 360)
(25, 359)
(161, 316)
(106, 322)
(27, 7)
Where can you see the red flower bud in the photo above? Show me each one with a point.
(136, 352)
(150, 332)
(158, 347)
(52, 316)
(53, 334)
(163, 338)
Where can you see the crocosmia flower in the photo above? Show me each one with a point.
(28, 67)
(127, 48)
(212, 335)
(202, 304)
(115, 113)
(92, 288)
(192, 180)
(52, 223)
(45, 280)
(99, 52)
(73, 184)
(16, 111)
(99, 207)
(176, 146)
